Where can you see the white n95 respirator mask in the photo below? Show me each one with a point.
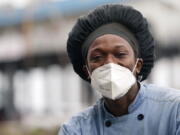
(112, 81)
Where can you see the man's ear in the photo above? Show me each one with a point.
(139, 66)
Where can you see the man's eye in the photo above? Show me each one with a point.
(120, 55)
(96, 58)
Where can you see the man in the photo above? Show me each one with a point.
(112, 48)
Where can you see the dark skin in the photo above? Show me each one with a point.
(111, 48)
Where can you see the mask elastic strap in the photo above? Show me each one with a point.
(89, 74)
(135, 65)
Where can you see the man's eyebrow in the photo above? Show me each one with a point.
(96, 50)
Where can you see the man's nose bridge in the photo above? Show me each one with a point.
(110, 59)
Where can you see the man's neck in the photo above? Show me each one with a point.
(120, 106)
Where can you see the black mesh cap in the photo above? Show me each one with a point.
(106, 14)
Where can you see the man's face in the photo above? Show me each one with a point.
(111, 48)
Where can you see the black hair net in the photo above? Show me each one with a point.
(106, 14)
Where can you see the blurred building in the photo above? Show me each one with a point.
(37, 81)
